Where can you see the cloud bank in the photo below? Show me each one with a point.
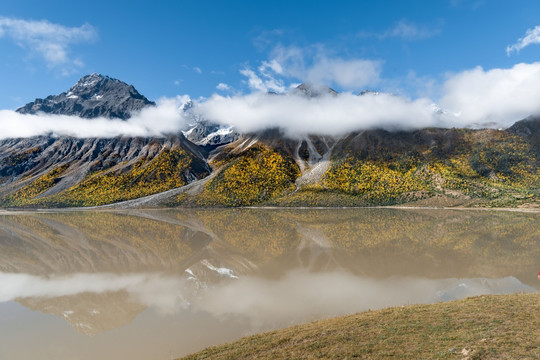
(331, 115)
(50, 41)
(474, 98)
(532, 36)
(493, 98)
(165, 118)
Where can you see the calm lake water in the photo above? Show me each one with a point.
(160, 284)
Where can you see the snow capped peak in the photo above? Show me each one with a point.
(89, 81)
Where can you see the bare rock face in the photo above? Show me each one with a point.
(92, 96)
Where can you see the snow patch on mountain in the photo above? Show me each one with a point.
(225, 272)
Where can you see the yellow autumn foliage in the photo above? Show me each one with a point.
(257, 175)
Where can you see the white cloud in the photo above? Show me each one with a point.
(474, 98)
(223, 87)
(293, 113)
(143, 123)
(298, 115)
(293, 60)
(271, 65)
(312, 65)
(254, 82)
(264, 82)
(497, 96)
(197, 70)
(532, 36)
(349, 74)
(50, 41)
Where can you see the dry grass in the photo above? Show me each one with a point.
(485, 327)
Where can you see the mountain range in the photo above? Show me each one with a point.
(209, 164)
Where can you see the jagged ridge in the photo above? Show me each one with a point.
(92, 96)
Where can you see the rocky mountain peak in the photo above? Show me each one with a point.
(92, 96)
(313, 90)
(92, 81)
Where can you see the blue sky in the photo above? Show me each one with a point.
(169, 48)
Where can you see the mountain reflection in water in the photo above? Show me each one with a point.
(251, 269)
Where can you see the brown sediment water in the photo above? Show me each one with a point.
(163, 283)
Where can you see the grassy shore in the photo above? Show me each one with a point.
(485, 327)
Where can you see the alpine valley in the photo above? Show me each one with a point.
(211, 165)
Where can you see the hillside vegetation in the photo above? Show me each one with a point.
(485, 327)
(431, 166)
(252, 177)
(428, 167)
(488, 164)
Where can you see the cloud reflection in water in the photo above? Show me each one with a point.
(298, 296)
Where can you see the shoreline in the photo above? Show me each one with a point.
(111, 208)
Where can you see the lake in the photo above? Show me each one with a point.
(164, 283)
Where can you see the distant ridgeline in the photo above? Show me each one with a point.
(427, 167)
